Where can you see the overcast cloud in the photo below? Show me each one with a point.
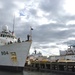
(53, 22)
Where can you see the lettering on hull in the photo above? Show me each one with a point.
(4, 53)
(13, 55)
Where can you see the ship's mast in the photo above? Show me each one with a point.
(13, 23)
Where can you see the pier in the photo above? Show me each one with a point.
(61, 64)
(55, 67)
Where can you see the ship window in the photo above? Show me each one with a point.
(1, 35)
(8, 36)
(5, 35)
(11, 36)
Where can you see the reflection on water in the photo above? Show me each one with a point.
(37, 73)
(9, 73)
(26, 73)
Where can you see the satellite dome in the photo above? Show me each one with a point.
(5, 28)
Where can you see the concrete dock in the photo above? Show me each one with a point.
(55, 67)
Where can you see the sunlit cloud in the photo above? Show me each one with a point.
(1, 5)
(20, 4)
(69, 7)
(70, 22)
(53, 22)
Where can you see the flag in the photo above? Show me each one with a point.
(22, 12)
(12, 32)
(31, 28)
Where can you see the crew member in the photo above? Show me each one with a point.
(28, 37)
(19, 40)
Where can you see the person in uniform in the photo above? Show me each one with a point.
(19, 40)
(28, 37)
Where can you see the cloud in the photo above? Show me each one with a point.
(50, 5)
(53, 26)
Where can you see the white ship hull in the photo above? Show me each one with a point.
(14, 55)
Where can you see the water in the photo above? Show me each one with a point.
(26, 73)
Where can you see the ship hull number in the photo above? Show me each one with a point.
(4, 53)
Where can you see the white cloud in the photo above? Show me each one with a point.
(1, 5)
(61, 29)
(62, 47)
(71, 38)
(53, 27)
(19, 4)
(69, 7)
(70, 22)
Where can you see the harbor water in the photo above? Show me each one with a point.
(26, 73)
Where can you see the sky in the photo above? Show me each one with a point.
(53, 23)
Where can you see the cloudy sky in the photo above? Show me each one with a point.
(53, 22)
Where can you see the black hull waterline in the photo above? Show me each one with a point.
(11, 68)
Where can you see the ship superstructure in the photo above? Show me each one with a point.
(66, 55)
(69, 51)
(7, 36)
(13, 51)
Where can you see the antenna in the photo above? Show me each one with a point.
(13, 23)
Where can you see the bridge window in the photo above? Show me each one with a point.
(1, 35)
(7, 35)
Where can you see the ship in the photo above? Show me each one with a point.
(13, 51)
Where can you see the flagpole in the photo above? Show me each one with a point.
(13, 23)
(31, 32)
